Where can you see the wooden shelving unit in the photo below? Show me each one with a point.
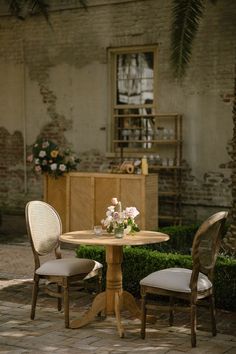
(159, 138)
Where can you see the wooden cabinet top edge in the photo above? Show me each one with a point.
(110, 175)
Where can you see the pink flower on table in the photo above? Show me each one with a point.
(110, 211)
(114, 201)
(131, 212)
(116, 218)
(107, 221)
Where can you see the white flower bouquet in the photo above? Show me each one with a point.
(120, 220)
(48, 158)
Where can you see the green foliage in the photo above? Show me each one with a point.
(225, 283)
(48, 158)
(119, 220)
(181, 238)
(94, 252)
(186, 16)
(138, 263)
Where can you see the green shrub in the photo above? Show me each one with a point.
(139, 262)
(94, 252)
(181, 239)
(225, 283)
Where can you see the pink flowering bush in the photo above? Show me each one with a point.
(48, 158)
(116, 218)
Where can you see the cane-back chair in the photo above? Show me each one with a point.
(191, 285)
(44, 228)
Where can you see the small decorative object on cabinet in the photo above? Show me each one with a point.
(159, 138)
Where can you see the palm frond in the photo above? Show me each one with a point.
(186, 15)
(15, 7)
(84, 3)
(42, 6)
(22, 8)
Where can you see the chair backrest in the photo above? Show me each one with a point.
(43, 225)
(206, 245)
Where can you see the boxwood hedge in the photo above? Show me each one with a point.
(139, 262)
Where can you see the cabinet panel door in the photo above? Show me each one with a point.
(81, 203)
(55, 195)
(104, 190)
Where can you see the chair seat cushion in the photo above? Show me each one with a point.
(98, 266)
(175, 279)
(67, 267)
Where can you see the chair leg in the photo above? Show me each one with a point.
(171, 312)
(99, 290)
(213, 315)
(193, 324)
(66, 304)
(34, 296)
(99, 282)
(59, 298)
(143, 316)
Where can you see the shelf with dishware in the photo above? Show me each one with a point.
(159, 138)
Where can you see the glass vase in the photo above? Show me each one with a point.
(119, 232)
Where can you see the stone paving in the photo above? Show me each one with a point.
(46, 334)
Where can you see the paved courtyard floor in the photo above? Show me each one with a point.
(46, 334)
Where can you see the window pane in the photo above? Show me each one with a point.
(135, 78)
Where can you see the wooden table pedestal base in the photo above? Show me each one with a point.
(114, 299)
(123, 301)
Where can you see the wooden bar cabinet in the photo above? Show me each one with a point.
(82, 198)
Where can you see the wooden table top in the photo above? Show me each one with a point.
(87, 237)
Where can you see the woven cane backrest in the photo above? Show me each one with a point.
(206, 244)
(44, 226)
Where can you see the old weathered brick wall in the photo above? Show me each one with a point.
(54, 83)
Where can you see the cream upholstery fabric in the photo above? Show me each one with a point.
(45, 226)
(175, 279)
(66, 267)
(44, 229)
(97, 266)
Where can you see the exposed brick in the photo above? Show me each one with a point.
(80, 38)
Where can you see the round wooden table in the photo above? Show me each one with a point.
(114, 298)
